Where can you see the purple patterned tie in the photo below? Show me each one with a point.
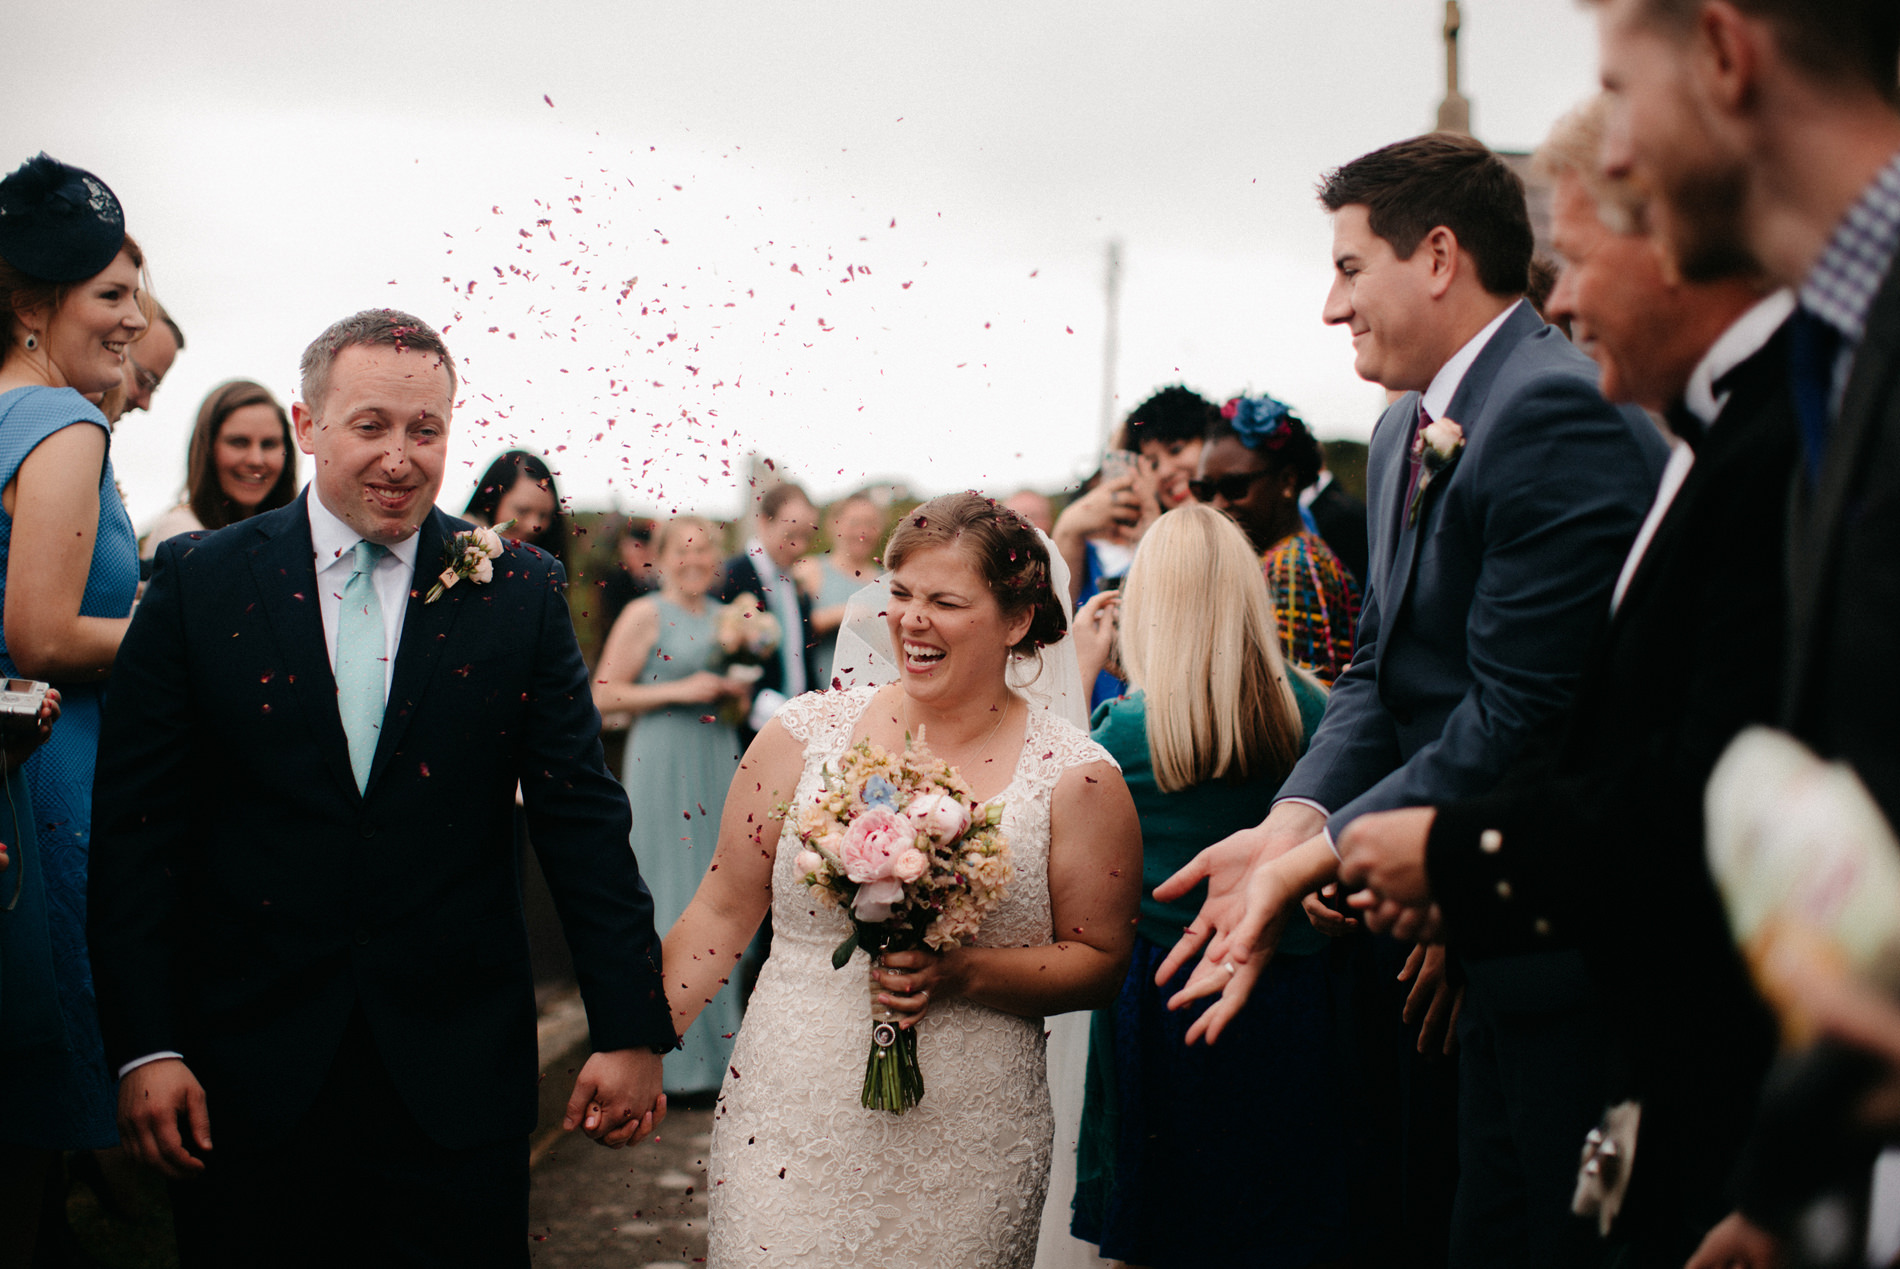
(1414, 465)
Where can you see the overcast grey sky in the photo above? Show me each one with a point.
(866, 239)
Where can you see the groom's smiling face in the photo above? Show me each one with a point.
(379, 439)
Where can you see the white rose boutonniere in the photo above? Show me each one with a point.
(471, 554)
(1436, 449)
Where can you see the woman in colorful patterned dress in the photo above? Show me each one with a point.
(1258, 456)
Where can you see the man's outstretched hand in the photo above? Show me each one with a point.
(1253, 879)
(156, 1101)
(617, 1098)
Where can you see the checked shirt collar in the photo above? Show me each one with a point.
(1841, 288)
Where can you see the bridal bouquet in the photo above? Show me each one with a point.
(746, 635)
(899, 844)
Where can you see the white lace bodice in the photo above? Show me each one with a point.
(801, 1173)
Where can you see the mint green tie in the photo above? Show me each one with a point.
(362, 651)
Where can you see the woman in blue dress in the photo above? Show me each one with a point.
(69, 288)
(659, 664)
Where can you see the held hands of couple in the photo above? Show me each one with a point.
(617, 1099)
(1253, 878)
(159, 1103)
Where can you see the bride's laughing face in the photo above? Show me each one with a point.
(951, 637)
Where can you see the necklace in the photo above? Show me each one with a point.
(1008, 708)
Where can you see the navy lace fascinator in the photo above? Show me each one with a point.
(58, 223)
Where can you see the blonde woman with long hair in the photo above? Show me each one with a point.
(1230, 1153)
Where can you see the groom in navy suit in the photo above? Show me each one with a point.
(1503, 494)
(306, 920)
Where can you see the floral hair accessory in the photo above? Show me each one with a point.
(1260, 422)
(472, 554)
(58, 223)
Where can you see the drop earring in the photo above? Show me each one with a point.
(32, 341)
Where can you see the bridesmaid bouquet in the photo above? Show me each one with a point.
(746, 635)
(900, 845)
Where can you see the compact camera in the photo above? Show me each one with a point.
(20, 701)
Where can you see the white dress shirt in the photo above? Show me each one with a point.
(781, 597)
(1737, 344)
(334, 544)
(1435, 401)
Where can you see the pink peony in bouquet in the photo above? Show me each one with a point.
(899, 844)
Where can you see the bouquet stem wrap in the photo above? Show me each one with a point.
(898, 843)
(893, 1080)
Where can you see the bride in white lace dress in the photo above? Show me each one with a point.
(801, 1173)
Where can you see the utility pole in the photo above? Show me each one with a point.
(1111, 342)
(1454, 113)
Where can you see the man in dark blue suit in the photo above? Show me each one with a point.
(1503, 494)
(306, 920)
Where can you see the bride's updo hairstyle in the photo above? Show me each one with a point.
(1005, 549)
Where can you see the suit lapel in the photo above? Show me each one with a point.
(284, 568)
(425, 629)
(1385, 469)
(1466, 408)
(1754, 387)
(1817, 514)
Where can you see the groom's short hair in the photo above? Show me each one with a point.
(1411, 187)
(373, 327)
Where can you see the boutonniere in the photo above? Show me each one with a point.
(472, 554)
(1435, 449)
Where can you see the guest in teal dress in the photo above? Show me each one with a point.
(659, 663)
(856, 526)
(1231, 1153)
(69, 290)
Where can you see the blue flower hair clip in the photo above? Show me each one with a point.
(1260, 422)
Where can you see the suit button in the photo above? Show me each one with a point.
(362, 938)
(1403, 717)
(367, 830)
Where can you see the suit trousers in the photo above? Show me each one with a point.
(1533, 1056)
(356, 1182)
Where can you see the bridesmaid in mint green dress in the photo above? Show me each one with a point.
(657, 665)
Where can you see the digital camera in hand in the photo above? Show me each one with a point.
(20, 702)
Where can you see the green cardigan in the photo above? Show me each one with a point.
(1177, 826)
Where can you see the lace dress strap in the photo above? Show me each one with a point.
(1052, 747)
(822, 721)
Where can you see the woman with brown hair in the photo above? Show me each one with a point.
(69, 285)
(801, 1172)
(241, 462)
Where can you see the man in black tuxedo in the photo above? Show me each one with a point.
(1769, 130)
(786, 523)
(306, 921)
(1594, 839)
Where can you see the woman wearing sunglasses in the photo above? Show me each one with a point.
(1257, 458)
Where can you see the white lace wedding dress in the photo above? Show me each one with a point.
(801, 1174)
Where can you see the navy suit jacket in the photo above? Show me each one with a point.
(246, 899)
(1478, 615)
